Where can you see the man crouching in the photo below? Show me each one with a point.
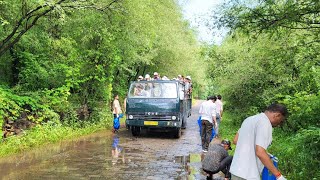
(217, 159)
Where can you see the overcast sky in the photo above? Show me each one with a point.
(197, 11)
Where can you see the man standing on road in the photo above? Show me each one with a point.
(217, 159)
(219, 113)
(208, 117)
(252, 140)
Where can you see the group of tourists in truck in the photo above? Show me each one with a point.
(143, 89)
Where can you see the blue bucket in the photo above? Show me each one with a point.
(266, 175)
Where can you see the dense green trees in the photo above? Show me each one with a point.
(61, 61)
(64, 59)
(271, 55)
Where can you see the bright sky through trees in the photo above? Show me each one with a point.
(197, 13)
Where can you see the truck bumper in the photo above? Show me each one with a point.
(153, 124)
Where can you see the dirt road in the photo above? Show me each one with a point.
(114, 156)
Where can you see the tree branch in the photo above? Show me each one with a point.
(36, 14)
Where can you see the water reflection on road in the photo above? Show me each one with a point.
(105, 155)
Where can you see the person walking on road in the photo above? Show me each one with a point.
(217, 159)
(219, 105)
(208, 118)
(252, 140)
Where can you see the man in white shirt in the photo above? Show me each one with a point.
(252, 140)
(208, 117)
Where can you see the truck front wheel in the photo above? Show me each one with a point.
(135, 131)
(184, 123)
(177, 133)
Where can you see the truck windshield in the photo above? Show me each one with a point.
(153, 89)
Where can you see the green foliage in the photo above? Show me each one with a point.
(304, 111)
(250, 74)
(8, 108)
(37, 108)
(298, 153)
(270, 55)
(227, 128)
(254, 16)
(64, 60)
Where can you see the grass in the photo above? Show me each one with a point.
(46, 134)
(228, 130)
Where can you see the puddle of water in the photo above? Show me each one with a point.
(112, 156)
(191, 164)
(193, 167)
(41, 160)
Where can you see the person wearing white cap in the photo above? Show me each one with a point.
(140, 78)
(149, 85)
(217, 159)
(165, 78)
(147, 77)
(188, 85)
(156, 76)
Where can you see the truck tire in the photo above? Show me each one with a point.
(184, 122)
(135, 131)
(177, 133)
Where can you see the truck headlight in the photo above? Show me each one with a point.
(130, 117)
(174, 117)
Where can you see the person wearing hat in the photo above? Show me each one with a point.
(149, 86)
(140, 78)
(147, 77)
(188, 86)
(217, 159)
(156, 76)
(165, 78)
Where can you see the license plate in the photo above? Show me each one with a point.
(151, 123)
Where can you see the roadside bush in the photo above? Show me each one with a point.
(13, 107)
(36, 107)
(298, 153)
(304, 110)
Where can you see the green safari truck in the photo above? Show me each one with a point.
(160, 105)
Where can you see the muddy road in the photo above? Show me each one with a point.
(105, 155)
